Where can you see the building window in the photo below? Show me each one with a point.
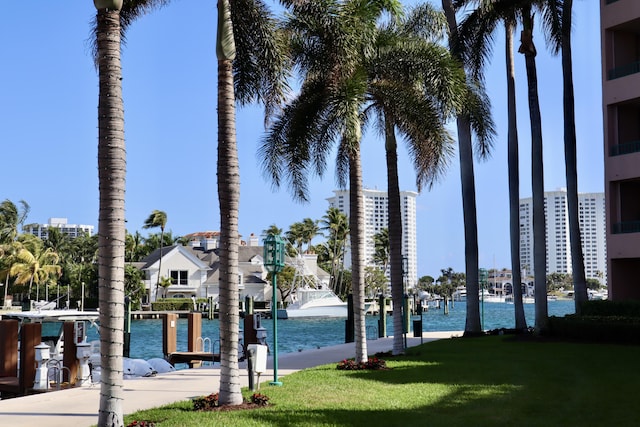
(179, 277)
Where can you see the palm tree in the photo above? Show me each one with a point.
(309, 230)
(571, 163)
(34, 264)
(331, 43)
(251, 67)
(417, 86)
(465, 123)
(296, 236)
(336, 224)
(113, 17)
(157, 219)
(11, 219)
(381, 248)
(476, 35)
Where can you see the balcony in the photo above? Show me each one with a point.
(624, 70)
(626, 148)
(626, 227)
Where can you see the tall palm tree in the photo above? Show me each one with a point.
(113, 17)
(464, 124)
(251, 67)
(528, 49)
(331, 44)
(476, 36)
(416, 87)
(564, 10)
(154, 220)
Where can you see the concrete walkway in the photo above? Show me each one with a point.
(79, 406)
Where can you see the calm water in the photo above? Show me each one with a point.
(300, 334)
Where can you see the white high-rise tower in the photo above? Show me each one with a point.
(591, 209)
(376, 218)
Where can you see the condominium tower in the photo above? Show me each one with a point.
(591, 211)
(71, 230)
(620, 35)
(376, 205)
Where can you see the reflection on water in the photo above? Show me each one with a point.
(302, 334)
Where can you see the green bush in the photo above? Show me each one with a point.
(611, 329)
(611, 308)
(172, 304)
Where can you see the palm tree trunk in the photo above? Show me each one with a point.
(229, 197)
(514, 183)
(160, 262)
(537, 175)
(571, 163)
(395, 235)
(111, 227)
(465, 148)
(356, 224)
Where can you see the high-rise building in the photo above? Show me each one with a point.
(620, 35)
(71, 230)
(591, 211)
(376, 218)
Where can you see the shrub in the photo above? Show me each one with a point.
(611, 308)
(612, 329)
(206, 403)
(260, 399)
(373, 363)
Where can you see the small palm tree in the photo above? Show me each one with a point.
(34, 264)
(165, 282)
(336, 224)
(154, 220)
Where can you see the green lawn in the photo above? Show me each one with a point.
(488, 381)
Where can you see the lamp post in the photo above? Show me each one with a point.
(274, 263)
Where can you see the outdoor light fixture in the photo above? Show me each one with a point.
(274, 263)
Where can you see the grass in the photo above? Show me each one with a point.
(487, 381)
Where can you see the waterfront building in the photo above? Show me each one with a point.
(620, 35)
(71, 230)
(591, 210)
(376, 218)
(194, 269)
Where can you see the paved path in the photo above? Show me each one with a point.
(79, 406)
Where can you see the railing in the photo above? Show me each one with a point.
(626, 148)
(626, 227)
(624, 70)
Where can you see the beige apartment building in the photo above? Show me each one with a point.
(620, 36)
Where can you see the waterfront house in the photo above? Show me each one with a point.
(194, 269)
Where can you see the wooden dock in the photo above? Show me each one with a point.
(192, 358)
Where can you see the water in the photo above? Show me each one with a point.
(303, 334)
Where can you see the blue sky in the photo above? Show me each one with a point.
(48, 129)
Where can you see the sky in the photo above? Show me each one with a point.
(48, 131)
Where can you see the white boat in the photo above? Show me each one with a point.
(312, 302)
